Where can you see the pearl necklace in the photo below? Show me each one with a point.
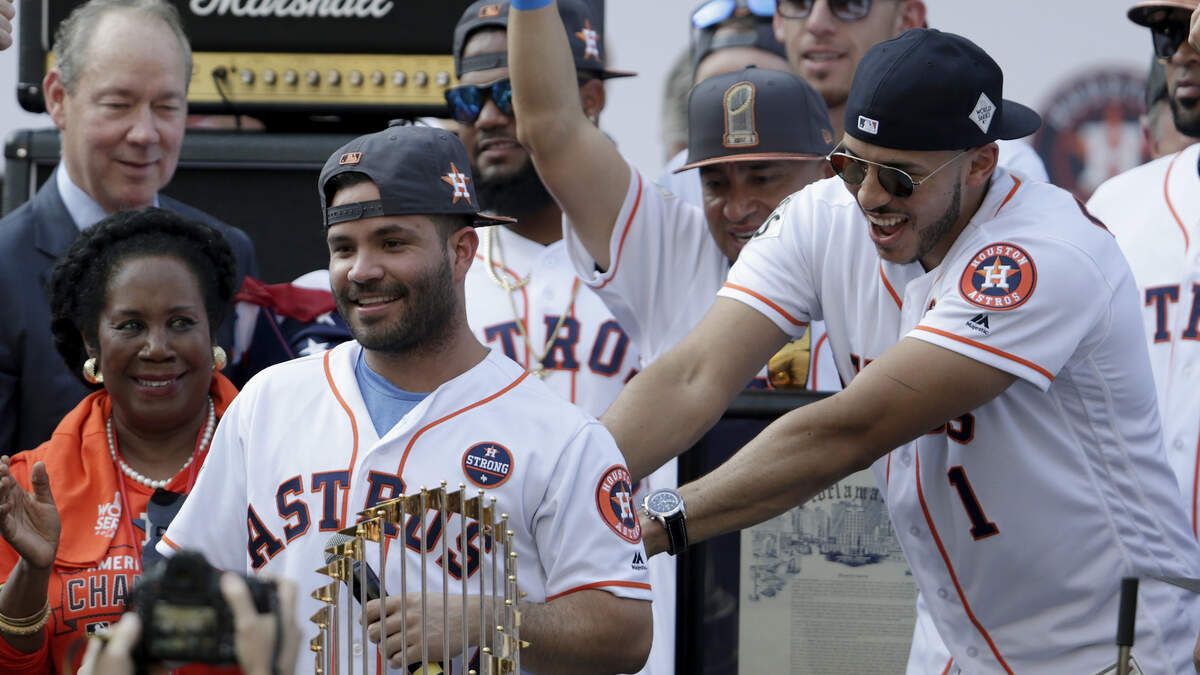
(210, 426)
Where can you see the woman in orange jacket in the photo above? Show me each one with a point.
(136, 302)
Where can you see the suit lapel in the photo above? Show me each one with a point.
(54, 228)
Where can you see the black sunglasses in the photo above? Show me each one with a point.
(467, 100)
(1166, 36)
(845, 10)
(897, 182)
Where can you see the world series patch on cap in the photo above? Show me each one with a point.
(930, 90)
(754, 115)
(583, 32)
(418, 170)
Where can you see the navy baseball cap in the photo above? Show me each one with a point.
(1152, 12)
(418, 170)
(930, 90)
(754, 115)
(583, 33)
(715, 38)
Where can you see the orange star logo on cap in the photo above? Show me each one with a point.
(591, 41)
(458, 181)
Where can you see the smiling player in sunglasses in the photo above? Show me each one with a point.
(989, 330)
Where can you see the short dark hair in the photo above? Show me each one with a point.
(446, 223)
(79, 284)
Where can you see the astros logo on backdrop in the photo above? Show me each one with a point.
(614, 499)
(1000, 276)
(488, 464)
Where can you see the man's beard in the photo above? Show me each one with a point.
(516, 195)
(930, 237)
(426, 320)
(1186, 116)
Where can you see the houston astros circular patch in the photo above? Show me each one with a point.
(1000, 276)
(487, 465)
(614, 499)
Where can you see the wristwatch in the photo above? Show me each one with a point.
(666, 506)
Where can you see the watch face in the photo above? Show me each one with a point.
(663, 502)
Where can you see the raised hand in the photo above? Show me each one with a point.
(29, 520)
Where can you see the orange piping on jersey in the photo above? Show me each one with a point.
(354, 430)
(777, 308)
(170, 543)
(1195, 489)
(816, 352)
(427, 427)
(948, 664)
(1170, 206)
(888, 286)
(950, 568)
(637, 201)
(599, 584)
(1011, 357)
(1016, 186)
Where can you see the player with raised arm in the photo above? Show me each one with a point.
(944, 274)
(414, 400)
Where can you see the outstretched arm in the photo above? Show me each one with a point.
(576, 161)
(912, 388)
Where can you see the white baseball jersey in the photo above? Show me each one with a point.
(591, 357)
(296, 457)
(1154, 212)
(1019, 518)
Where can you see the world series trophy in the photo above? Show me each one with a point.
(499, 644)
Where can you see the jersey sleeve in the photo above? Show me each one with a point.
(664, 268)
(1021, 307)
(586, 528)
(773, 274)
(213, 517)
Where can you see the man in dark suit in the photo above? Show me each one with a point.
(119, 96)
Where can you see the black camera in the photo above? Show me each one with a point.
(184, 616)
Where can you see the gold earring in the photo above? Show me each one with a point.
(90, 372)
(219, 358)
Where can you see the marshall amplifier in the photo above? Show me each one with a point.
(314, 57)
(265, 184)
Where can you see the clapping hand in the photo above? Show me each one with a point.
(29, 520)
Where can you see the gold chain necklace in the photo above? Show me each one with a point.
(535, 359)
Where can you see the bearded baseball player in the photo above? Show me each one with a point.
(415, 400)
(945, 274)
(1154, 212)
(523, 298)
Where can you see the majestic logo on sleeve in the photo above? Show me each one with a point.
(487, 465)
(1000, 276)
(614, 499)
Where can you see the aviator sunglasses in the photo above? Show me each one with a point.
(1166, 36)
(896, 182)
(845, 10)
(715, 11)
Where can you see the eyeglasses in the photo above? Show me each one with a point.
(897, 182)
(845, 10)
(467, 100)
(714, 12)
(1167, 35)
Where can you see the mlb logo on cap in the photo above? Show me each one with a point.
(868, 125)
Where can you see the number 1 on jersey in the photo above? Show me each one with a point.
(981, 527)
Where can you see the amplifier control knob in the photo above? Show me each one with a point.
(290, 77)
(269, 76)
(355, 78)
(420, 78)
(334, 77)
(399, 78)
(377, 78)
(247, 76)
(442, 79)
(312, 77)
